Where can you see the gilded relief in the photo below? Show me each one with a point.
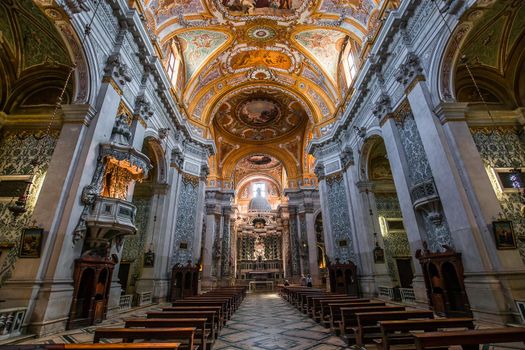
(261, 7)
(248, 59)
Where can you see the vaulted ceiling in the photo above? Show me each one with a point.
(263, 75)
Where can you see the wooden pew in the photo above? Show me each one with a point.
(368, 323)
(469, 339)
(224, 315)
(212, 319)
(128, 335)
(111, 346)
(217, 308)
(201, 332)
(398, 332)
(313, 302)
(323, 313)
(349, 320)
(335, 311)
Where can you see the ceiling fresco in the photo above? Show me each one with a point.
(197, 46)
(325, 46)
(260, 115)
(260, 73)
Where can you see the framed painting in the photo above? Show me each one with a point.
(504, 234)
(31, 242)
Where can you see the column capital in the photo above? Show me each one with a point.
(78, 113)
(451, 112)
(383, 107)
(211, 209)
(116, 72)
(410, 72)
(319, 171)
(142, 110)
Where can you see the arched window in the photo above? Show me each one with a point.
(259, 186)
(173, 65)
(349, 64)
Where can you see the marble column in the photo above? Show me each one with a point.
(294, 244)
(486, 277)
(51, 295)
(226, 243)
(208, 280)
(412, 222)
(312, 244)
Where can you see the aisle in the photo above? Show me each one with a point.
(265, 321)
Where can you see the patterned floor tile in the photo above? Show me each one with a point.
(263, 322)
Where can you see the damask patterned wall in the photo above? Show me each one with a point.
(294, 245)
(17, 150)
(339, 219)
(185, 222)
(134, 246)
(226, 249)
(304, 244)
(420, 172)
(503, 148)
(396, 243)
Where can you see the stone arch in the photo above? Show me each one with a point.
(289, 163)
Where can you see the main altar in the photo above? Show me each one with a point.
(259, 232)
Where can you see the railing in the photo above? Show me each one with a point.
(11, 322)
(386, 292)
(125, 302)
(145, 298)
(264, 265)
(407, 295)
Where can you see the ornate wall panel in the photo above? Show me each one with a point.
(134, 246)
(339, 219)
(17, 150)
(503, 148)
(420, 176)
(185, 222)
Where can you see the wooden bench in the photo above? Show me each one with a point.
(335, 311)
(368, 323)
(469, 339)
(201, 332)
(349, 320)
(217, 308)
(224, 314)
(212, 321)
(111, 346)
(322, 309)
(313, 304)
(128, 335)
(398, 332)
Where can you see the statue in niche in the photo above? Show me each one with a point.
(259, 249)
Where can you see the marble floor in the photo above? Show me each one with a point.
(263, 322)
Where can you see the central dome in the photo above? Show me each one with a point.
(259, 203)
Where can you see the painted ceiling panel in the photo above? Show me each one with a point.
(198, 46)
(324, 45)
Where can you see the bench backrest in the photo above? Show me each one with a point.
(372, 318)
(469, 337)
(185, 334)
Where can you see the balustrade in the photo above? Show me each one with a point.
(11, 321)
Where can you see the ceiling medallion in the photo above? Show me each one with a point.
(257, 112)
(261, 33)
